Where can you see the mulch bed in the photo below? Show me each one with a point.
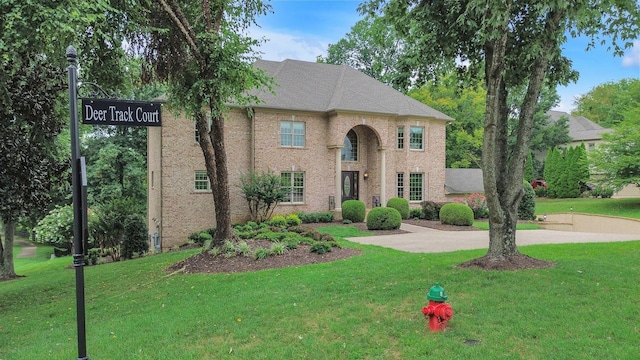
(207, 263)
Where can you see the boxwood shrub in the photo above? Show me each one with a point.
(400, 204)
(353, 210)
(384, 218)
(456, 214)
(527, 208)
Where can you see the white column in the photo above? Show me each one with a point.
(338, 184)
(383, 177)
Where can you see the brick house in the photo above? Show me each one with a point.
(332, 132)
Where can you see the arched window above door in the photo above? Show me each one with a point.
(350, 148)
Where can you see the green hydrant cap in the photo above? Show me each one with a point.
(436, 293)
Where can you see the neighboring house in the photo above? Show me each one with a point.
(581, 129)
(330, 131)
(462, 182)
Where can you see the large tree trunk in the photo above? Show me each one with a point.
(221, 191)
(503, 167)
(212, 145)
(7, 270)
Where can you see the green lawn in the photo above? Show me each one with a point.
(365, 307)
(614, 207)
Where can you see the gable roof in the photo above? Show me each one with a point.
(318, 87)
(463, 181)
(580, 128)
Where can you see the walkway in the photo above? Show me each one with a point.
(27, 249)
(427, 240)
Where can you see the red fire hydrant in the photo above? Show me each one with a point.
(438, 311)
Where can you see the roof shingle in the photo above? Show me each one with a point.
(308, 86)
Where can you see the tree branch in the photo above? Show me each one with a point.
(181, 22)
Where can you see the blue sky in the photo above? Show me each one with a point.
(303, 29)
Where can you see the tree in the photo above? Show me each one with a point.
(513, 44)
(263, 192)
(372, 46)
(466, 105)
(30, 88)
(607, 103)
(200, 49)
(616, 158)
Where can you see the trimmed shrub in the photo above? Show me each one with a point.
(602, 191)
(431, 210)
(293, 220)
(527, 208)
(353, 210)
(456, 214)
(478, 203)
(415, 214)
(201, 237)
(278, 221)
(540, 191)
(384, 218)
(134, 241)
(400, 204)
(319, 217)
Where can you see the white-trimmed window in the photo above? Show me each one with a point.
(196, 133)
(350, 148)
(292, 133)
(400, 185)
(416, 138)
(294, 180)
(201, 181)
(416, 186)
(400, 137)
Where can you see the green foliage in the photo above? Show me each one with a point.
(456, 214)
(384, 218)
(262, 253)
(370, 46)
(467, 106)
(278, 221)
(353, 210)
(527, 207)
(109, 230)
(540, 192)
(263, 192)
(478, 203)
(56, 229)
(602, 191)
(529, 173)
(201, 237)
(415, 214)
(134, 241)
(278, 248)
(616, 158)
(321, 248)
(565, 171)
(116, 171)
(431, 210)
(293, 220)
(400, 204)
(608, 104)
(319, 217)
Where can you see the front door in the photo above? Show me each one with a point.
(349, 185)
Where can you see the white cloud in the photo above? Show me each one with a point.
(281, 46)
(632, 58)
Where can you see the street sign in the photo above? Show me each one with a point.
(121, 112)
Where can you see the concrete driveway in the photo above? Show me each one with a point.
(425, 240)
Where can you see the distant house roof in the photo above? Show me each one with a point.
(463, 181)
(580, 128)
(308, 86)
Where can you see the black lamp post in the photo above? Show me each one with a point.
(79, 205)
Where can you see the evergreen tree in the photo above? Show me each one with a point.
(528, 169)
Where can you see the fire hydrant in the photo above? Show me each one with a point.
(438, 311)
